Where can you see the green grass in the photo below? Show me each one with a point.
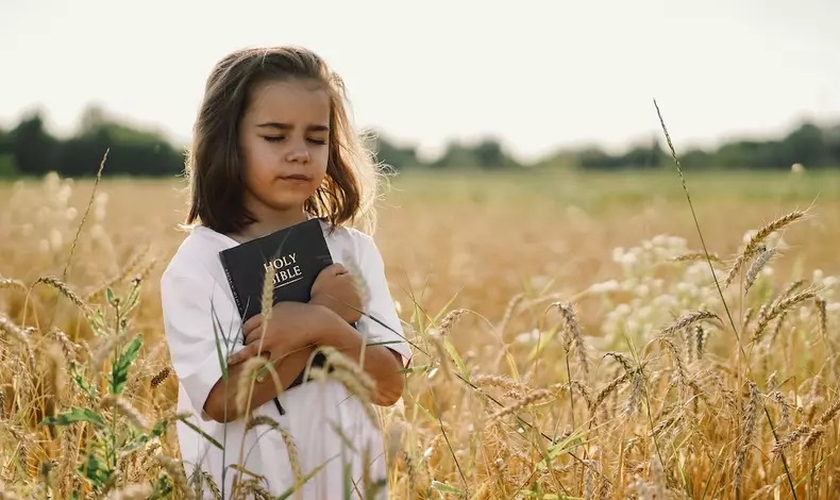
(596, 189)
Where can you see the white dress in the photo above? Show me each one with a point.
(315, 412)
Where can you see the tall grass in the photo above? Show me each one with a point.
(616, 373)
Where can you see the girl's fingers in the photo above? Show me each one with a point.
(254, 336)
(246, 353)
(252, 324)
(238, 357)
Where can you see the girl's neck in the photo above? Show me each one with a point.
(268, 223)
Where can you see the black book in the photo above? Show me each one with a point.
(294, 255)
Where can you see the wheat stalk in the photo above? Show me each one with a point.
(65, 290)
(754, 246)
(574, 335)
(767, 315)
(537, 395)
(747, 434)
(758, 264)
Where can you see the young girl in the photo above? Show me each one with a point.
(273, 147)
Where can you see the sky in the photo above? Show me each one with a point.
(538, 75)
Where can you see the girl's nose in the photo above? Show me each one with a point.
(298, 154)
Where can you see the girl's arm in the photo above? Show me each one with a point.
(382, 351)
(221, 403)
(292, 331)
(336, 291)
(385, 350)
(380, 362)
(302, 327)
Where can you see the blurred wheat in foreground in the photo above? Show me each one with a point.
(668, 394)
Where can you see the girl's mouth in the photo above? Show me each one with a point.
(296, 177)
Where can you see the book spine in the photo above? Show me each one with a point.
(232, 286)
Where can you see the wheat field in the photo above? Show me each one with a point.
(570, 339)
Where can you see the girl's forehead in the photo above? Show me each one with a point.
(287, 99)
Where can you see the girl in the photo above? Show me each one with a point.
(273, 147)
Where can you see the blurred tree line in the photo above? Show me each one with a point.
(807, 144)
(28, 149)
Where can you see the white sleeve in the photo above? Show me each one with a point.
(380, 304)
(200, 333)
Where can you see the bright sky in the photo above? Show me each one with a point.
(538, 74)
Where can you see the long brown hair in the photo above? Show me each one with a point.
(214, 163)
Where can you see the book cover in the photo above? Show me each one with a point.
(294, 256)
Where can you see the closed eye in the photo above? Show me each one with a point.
(320, 142)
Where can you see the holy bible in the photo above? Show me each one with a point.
(293, 257)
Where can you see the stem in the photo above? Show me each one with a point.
(114, 413)
(572, 412)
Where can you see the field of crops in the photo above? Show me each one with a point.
(570, 340)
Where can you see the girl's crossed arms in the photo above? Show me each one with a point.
(293, 333)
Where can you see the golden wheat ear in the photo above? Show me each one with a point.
(755, 245)
(359, 280)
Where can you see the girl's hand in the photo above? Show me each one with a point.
(292, 326)
(335, 289)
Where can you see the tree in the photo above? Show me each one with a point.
(490, 154)
(32, 147)
(397, 157)
(804, 145)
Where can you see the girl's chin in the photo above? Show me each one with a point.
(288, 204)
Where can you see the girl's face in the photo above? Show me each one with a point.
(284, 139)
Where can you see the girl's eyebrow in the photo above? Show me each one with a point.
(286, 126)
